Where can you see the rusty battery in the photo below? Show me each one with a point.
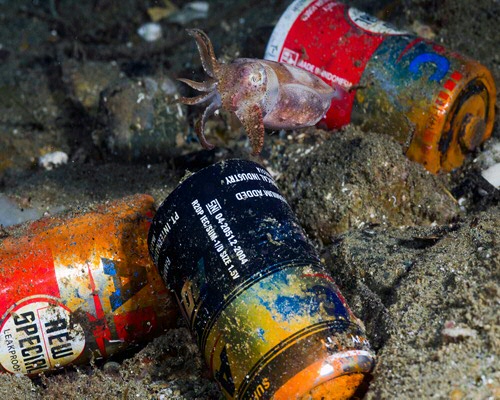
(438, 104)
(80, 287)
(266, 313)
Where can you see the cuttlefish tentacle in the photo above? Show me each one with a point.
(206, 50)
(200, 126)
(206, 86)
(198, 99)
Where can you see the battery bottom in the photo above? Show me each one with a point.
(339, 388)
(337, 377)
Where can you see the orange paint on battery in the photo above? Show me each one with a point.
(80, 286)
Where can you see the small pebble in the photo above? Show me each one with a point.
(492, 175)
(423, 30)
(456, 394)
(190, 12)
(53, 160)
(150, 32)
(111, 367)
(453, 333)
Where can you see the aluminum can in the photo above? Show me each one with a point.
(438, 104)
(265, 312)
(80, 287)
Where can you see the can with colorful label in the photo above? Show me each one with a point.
(438, 104)
(80, 287)
(264, 310)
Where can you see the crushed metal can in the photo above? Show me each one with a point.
(265, 312)
(80, 287)
(438, 104)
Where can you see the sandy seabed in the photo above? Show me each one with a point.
(420, 270)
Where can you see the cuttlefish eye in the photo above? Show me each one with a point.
(255, 75)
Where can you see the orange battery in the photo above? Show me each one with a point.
(438, 104)
(80, 286)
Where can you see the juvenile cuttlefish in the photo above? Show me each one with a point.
(262, 94)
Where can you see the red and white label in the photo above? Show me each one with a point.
(332, 41)
(371, 24)
(38, 335)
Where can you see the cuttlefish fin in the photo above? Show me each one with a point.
(252, 120)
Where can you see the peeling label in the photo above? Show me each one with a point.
(37, 335)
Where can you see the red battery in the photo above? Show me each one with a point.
(438, 104)
(80, 287)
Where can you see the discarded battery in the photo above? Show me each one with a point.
(266, 314)
(437, 103)
(81, 287)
